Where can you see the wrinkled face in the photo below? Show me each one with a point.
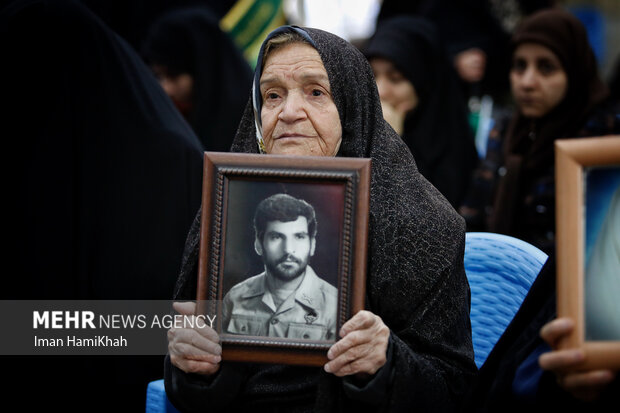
(394, 88)
(298, 115)
(286, 248)
(538, 80)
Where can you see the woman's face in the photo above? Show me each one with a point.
(179, 87)
(298, 115)
(538, 80)
(394, 88)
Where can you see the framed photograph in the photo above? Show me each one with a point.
(282, 253)
(588, 245)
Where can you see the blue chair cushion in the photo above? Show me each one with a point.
(500, 270)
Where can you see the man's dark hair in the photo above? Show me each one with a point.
(285, 208)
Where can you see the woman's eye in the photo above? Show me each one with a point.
(272, 95)
(396, 78)
(317, 92)
(519, 65)
(546, 67)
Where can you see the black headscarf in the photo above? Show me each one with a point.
(131, 19)
(437, 131)
(191, 41)
(528, 148)
(104, 180)
(416, 281)
(466, 24)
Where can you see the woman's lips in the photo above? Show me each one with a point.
(526, 101)
(291, 136)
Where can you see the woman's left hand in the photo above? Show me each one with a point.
(362, 348)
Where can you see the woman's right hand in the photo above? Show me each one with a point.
(194, 350)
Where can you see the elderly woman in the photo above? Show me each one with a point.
(558, 94)
(314, 94)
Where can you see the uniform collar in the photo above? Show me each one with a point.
(308, 293)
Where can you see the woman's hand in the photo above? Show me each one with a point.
(362, 348)
(194, 350)
(583, 385)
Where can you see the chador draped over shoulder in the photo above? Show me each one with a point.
(103, 185)
(415, 282)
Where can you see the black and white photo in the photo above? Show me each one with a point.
(288, 298)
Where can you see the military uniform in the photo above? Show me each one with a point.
(310, 313)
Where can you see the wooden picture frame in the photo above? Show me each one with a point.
(338, 189)
(576, 160)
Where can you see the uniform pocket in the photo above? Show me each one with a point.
(245, 326)
(307, 331)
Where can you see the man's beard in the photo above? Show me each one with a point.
(286, 271)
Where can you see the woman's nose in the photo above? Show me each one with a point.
(528, 78)
(293, 108)
(168, 86)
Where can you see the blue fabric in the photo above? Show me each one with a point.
(156, 399)
(528, 374)
(593, 20)
(500, 270)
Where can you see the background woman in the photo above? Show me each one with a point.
(422, 101)
(558, 94)
(202, 71)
